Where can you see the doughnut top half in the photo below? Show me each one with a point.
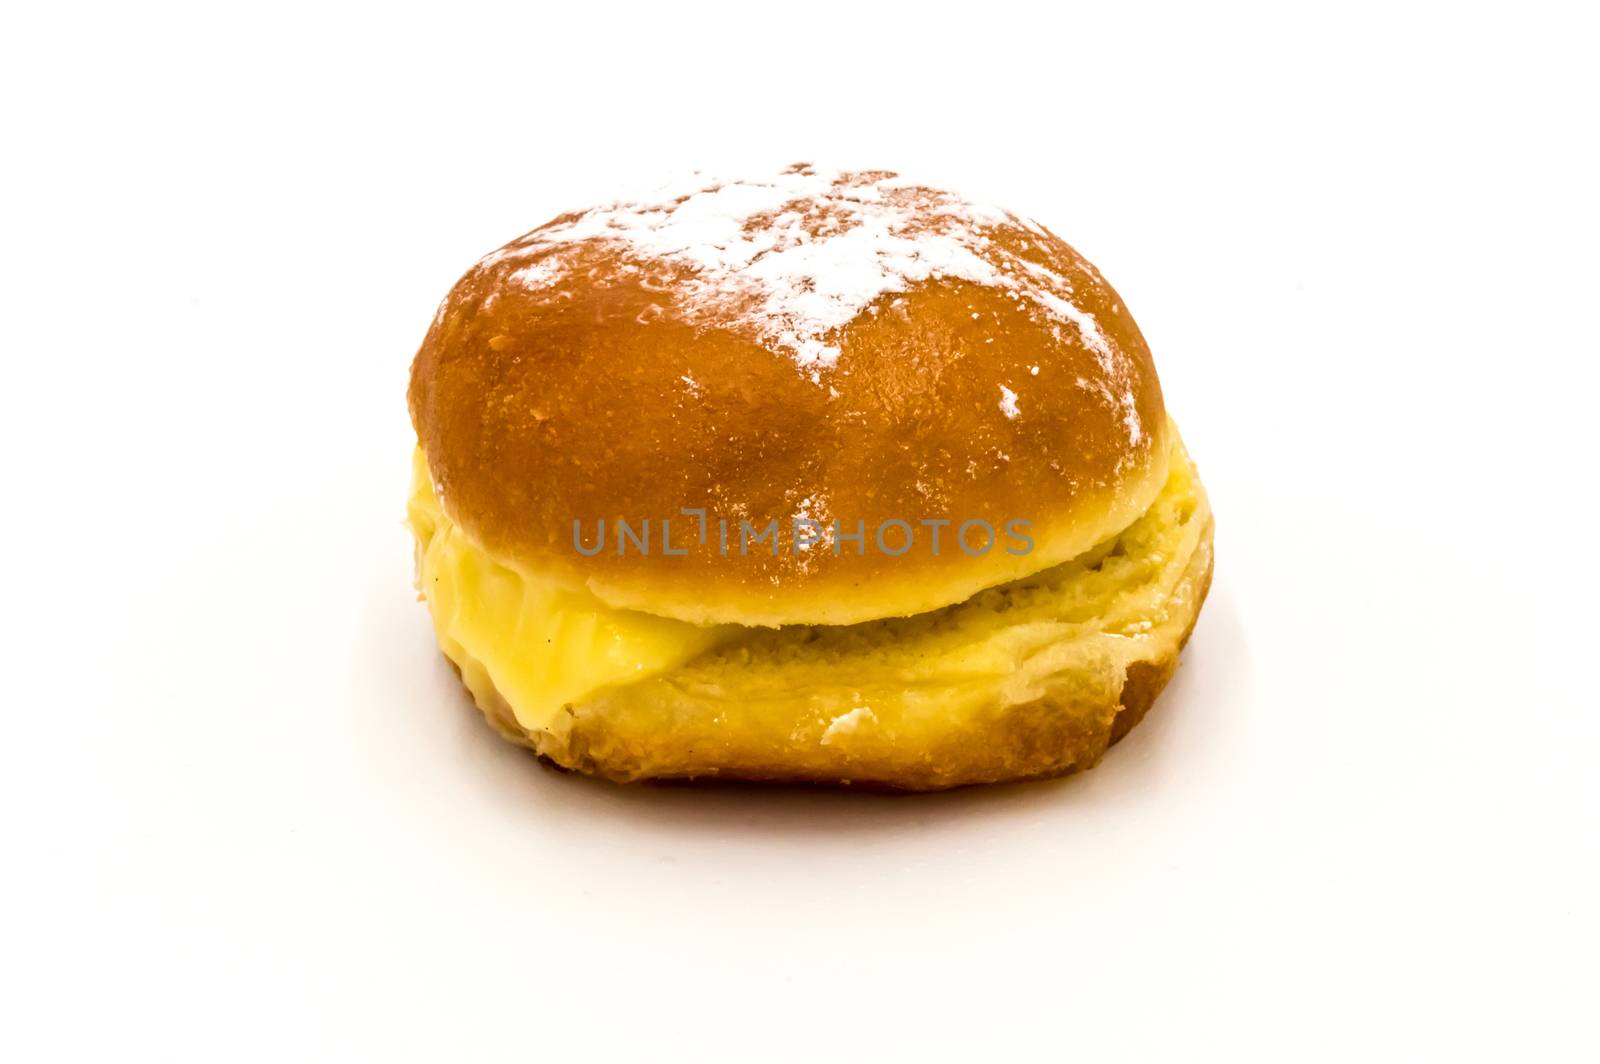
(831, 351)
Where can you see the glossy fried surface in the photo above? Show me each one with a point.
(581, 375)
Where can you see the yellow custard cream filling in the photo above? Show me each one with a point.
(540, 646)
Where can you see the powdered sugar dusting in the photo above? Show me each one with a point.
(541, 274)
(1130, 418)
(794, 256)
(1008, 402)
(847, 724)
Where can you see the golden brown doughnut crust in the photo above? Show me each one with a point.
(572, 377)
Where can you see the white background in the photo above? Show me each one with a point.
(249, 815)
